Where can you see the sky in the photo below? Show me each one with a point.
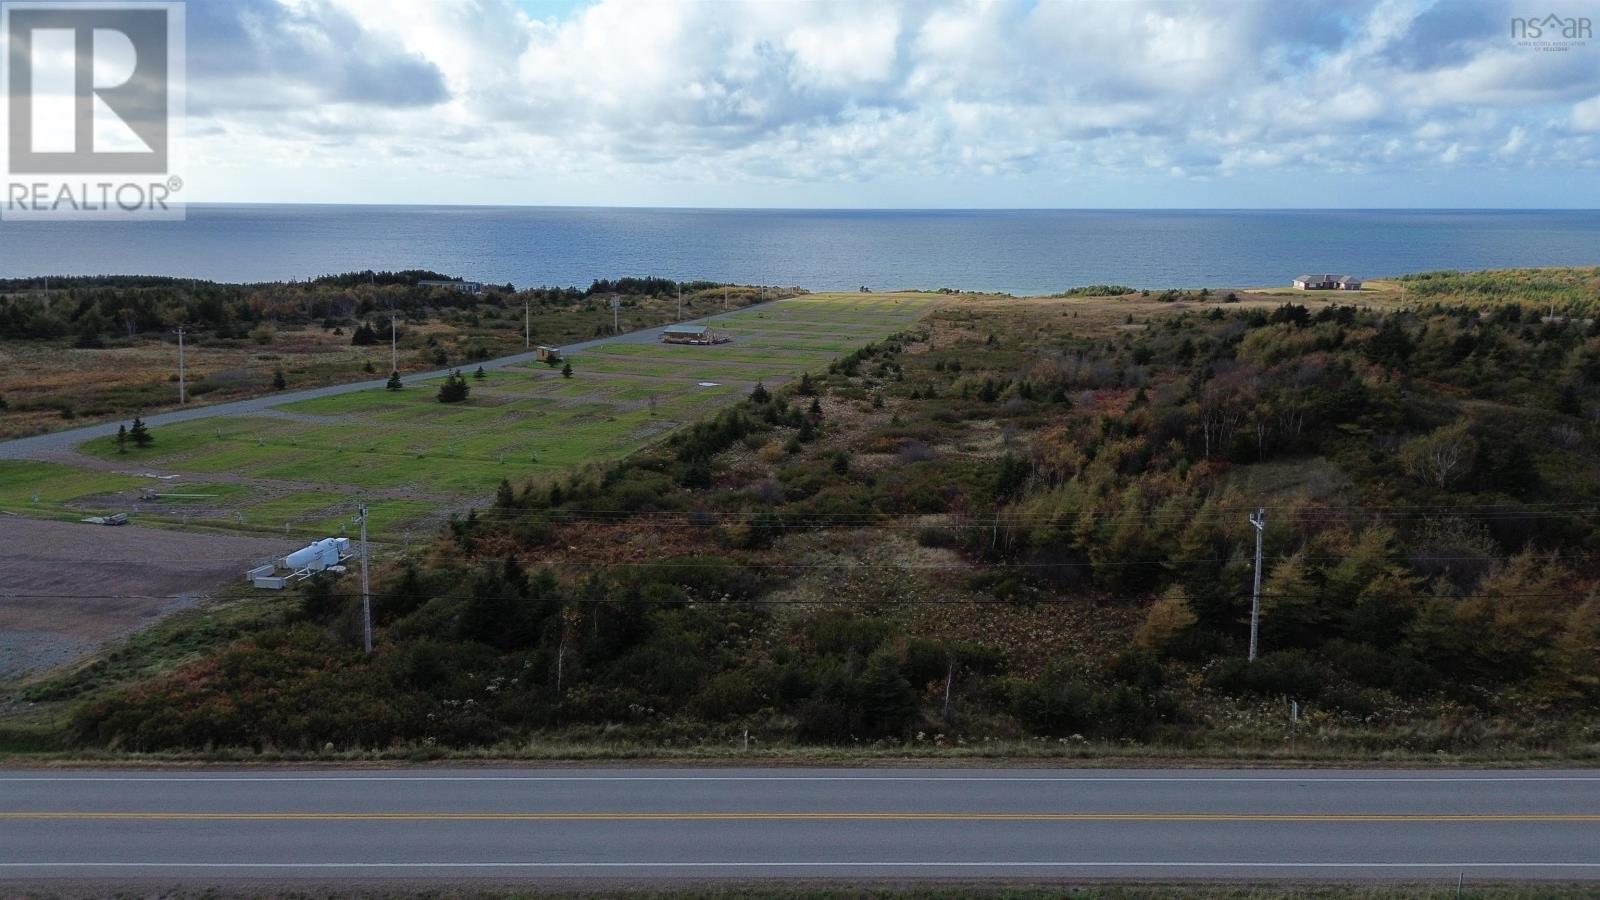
(889, 104)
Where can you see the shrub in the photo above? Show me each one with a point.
(725, 696)
(1289, 673)
(454, 389)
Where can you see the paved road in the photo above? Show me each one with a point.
(580, 824)
(24, 448)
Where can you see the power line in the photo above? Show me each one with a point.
(977, 565)
(778, 601)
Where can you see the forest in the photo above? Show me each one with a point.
(93, 309)
(1020, 521)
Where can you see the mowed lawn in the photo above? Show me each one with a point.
(300, 467)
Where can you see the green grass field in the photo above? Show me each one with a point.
(300, 467)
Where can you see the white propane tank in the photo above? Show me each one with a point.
(301, 559)
(318, 556)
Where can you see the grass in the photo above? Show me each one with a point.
(518, 423)
(52, 490)
(415, 457)
(53, 385)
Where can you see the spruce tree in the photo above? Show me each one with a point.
(566, 371)
(278, 382)
(394, 383)
(140, 433)
(480, 374)
(760, 394)
(454, 389)
(122, 439)
(504, 496)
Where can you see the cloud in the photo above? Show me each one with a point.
(248, 55)
(829, 91)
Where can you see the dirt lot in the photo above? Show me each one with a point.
(67, 588)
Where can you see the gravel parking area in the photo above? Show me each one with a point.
(67, 588)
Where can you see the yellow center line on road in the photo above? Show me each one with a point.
(1574, 818)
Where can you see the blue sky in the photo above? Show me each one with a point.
(882, 103)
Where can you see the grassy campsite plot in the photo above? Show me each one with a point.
(300, 466)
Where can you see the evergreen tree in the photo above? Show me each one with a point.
(760, 394)
(566, 370)
(888, 702)
(480, 374)
(394, 383)
(89, 329)
(364, 336)
(278, 382)
(504, 496)
(454, 389)
(140, 433)
(1391, 345)
(1568, 401)
(805, 389)
(815, 410)
(122, 439)
(3, 406)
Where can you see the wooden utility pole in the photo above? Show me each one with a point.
(1259, 521)
(527, 326)
(366, 585)
(183, 387)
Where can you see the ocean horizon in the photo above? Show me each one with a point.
(1018, 251)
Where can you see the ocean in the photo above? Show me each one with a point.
(1016, 251)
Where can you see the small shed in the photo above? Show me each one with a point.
(548, 354)
(692, 334)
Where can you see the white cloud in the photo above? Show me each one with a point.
(1586, 115)
(679, 91)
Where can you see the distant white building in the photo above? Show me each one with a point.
(1327, 283)
(456, 284)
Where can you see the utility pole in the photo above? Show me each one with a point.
(183, 388)
(616, 326)
(394, 346)
(366, 585)
(1259, 521)
(680, 302)
(724, 299)
(527, 326)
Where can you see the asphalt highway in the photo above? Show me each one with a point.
(708, 824)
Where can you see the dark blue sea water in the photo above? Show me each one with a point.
(1020, 251)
